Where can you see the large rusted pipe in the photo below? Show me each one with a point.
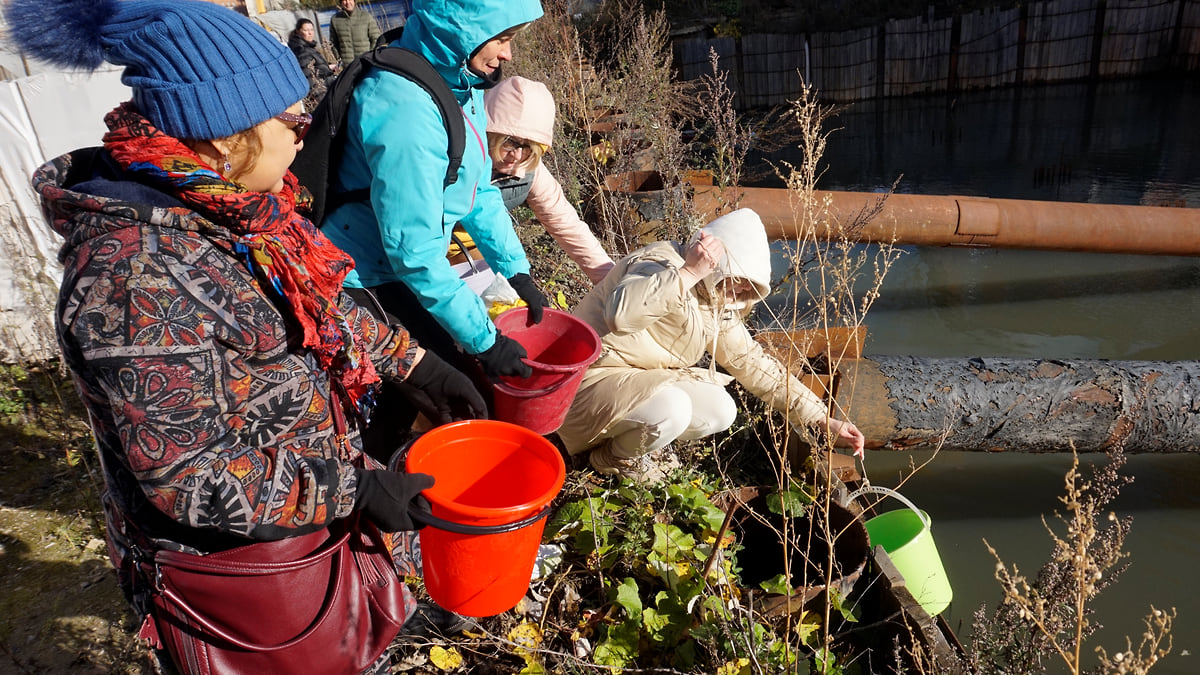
(1023, 405)
(934, 220)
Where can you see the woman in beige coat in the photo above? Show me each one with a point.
(657, 313)
(520, 129)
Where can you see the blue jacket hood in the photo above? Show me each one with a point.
(447, 32)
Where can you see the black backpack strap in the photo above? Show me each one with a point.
(321, 153)
(323, 146)
(389, 36)
(413, 66)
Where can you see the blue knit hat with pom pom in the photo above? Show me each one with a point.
(197, 70)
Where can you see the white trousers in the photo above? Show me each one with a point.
(686, 410)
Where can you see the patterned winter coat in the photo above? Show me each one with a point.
(212, 425)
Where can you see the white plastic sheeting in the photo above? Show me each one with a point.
(41, 116)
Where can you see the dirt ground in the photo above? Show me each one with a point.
(61, 610)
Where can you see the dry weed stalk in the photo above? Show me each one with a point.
(1150, 649)
(617, 73)
(841, 279)
(1052, 615)
(724, 130)
(835, 283)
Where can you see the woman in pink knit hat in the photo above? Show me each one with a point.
(520, 130)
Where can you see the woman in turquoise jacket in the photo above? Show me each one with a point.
(396, 146)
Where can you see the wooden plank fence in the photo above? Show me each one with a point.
(844, 63)
(1138, 37)
(987, 54)
(918, 56)
(1059, 44)
(1039, 42)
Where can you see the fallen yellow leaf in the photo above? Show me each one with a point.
(445, 659)
(527, 635)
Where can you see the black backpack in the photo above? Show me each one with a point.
(323, 144)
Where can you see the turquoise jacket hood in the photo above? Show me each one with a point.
(448, 32)
(396, 146)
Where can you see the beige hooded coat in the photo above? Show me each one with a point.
(524, 109)
(654, 332)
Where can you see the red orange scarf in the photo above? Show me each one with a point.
(281, 247)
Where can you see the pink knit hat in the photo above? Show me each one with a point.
(521, 108)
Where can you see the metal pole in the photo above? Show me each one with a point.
(939, 220)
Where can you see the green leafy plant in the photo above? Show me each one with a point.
(13, 380)
(656, 555)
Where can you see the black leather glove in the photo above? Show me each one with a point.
(524, 286)
(384, 496)
(443, 393)
(504, 358)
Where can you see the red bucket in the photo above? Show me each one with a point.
(560, 349)
(494, 485)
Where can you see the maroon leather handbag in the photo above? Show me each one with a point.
(326, 602)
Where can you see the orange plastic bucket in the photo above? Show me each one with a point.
(494, 484)
(559, 349)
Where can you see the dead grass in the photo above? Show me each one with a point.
(61, 610)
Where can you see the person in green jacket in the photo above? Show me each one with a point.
(352, 32)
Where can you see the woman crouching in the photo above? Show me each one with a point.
(657, 313)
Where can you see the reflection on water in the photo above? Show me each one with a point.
(1001, 498)
(1118, 143)
(1032, 304)
(1036, 304)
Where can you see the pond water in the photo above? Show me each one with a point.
(1115, 143)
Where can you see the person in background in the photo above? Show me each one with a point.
(657, 312)
(520, 130)
(396, 146)
(225, 373)
(303, 43)
(352, 31)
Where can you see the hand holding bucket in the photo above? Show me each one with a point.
(560, 349)
(905, 535)
(494, 485)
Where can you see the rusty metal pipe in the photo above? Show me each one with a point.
(937, 220)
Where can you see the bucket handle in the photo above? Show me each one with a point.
(529, 393)
(888, 492)
(551, 367)
(459, 528)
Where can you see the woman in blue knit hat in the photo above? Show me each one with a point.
(225, 374)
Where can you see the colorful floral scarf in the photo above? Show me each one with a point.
(281, 247)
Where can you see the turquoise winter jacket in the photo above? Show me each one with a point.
(396, 143)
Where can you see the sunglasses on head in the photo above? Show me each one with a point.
(303, 122)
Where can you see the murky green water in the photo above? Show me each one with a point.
(1117, 143)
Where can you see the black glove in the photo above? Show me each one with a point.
(384, 496)
(443, 393)
(504, 358)
(529, 292)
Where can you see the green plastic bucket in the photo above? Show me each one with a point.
(906, 537)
